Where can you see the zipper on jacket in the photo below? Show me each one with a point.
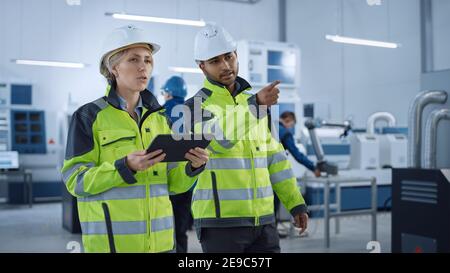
(112, 246)
(231, 95)
(147, 194)
(146, 114)
(234, 99)
(147, 186)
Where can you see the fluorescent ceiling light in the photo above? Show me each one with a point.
(185, 69)
(123, 16)
(355, 41)
(50, 63)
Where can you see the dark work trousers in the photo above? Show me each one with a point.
(181, 204)
(261, 239)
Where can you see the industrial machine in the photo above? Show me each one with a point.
(9, 160)
(420, 203)
(375, 149)
(420, 210)
(335, 147)
(392, 140)
(34, 135)
(393, 150)
(365, 149)
(311, 125)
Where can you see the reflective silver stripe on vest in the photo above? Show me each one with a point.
(122, 193)
(240, 194)
(171, 165)
(278, 157)
(235, 163)
(228, 163)
(203, 194)
(118, 228)
(282, 175)
(158, 190)
(236, 194)
(68, 173)
(264, 192)
(260, 162)
(163, 223)
(79, 187)
(101, 103)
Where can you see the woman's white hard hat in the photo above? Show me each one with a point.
(124, 37)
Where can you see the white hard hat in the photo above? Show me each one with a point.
(211, 41)
(123, 37)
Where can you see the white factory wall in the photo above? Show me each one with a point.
(51, 29)
(354, 80)
(439, 78)
(357, 80)
(441, 34)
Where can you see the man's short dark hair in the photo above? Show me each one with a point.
(288, 114)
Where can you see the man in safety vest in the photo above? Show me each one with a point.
(233, 200)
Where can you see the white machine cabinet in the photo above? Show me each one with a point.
(364, 150)
(393, 150)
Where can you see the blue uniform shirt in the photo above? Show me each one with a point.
(169, 105)
(287, 139)
(137, 110)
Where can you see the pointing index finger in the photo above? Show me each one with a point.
(274, 83)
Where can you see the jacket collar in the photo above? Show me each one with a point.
(218, 87)
(149, 101)
(123, 103)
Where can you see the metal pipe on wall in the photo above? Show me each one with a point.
(422, 99)
(378, 116)
(431, 128)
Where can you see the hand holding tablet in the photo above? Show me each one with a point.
(177, 146)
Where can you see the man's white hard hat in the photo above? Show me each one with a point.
(211, 41)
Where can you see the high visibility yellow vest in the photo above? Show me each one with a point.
(246, 162)
(119, 210)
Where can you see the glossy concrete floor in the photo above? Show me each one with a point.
(39, 229)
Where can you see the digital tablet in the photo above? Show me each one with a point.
(176, 146)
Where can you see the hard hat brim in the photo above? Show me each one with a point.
(215, 54)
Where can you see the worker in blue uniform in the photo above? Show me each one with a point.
(174, 92)
(286, 135)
